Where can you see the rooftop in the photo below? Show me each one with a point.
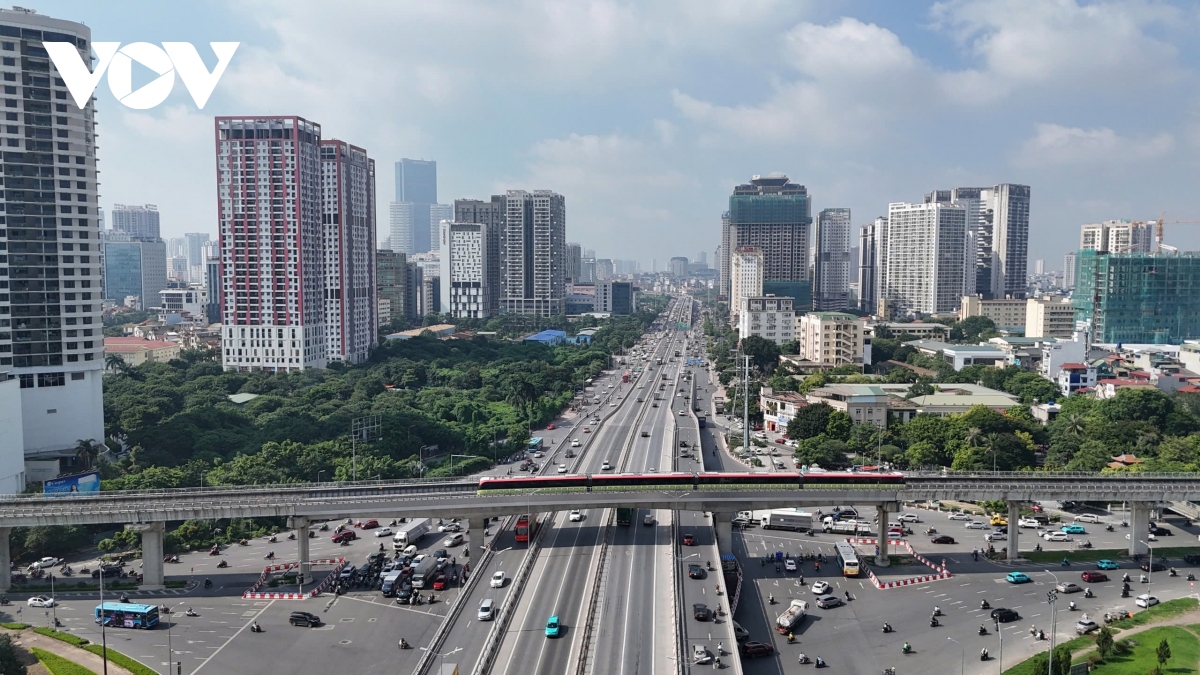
(133, 344)
(939, 346)
(833, 316)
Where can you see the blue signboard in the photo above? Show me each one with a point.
(79, 483)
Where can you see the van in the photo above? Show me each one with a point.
(390, 582)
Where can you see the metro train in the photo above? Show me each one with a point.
(625, 482)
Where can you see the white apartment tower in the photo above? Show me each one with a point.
(1117, 236)
(468, 258)
(348, 220)
(1069, 271)
(926, 251)
(534, 253)
(51, 337)
(831, 266)
(745, 278)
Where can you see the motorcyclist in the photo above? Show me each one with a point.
(937, 611)
(907, 648)
(933, 622)
(404, 644)
(771, 599)
(982, 629)
(791, 638)
(887, 627)
(983, 654)
(803, 658)
(983, 604)
(820, 662)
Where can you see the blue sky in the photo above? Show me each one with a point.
(646, 114)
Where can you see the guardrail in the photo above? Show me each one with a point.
(677, 582)
(587, 650)
(496, 635)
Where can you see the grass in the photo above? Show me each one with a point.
(135, 667)
(61, 636)
(1174, 554)
(1185, 652)
(15, 625)
(57, 665)
(1159, 612)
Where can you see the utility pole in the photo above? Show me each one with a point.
(745, 404)
(366, 427)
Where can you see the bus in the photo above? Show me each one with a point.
(526, 525)
(700, 420)
(625, 377)
(847, 558)
(127, 615)
(535, 444)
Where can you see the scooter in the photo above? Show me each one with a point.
(1109, 528)
(222, 565)
(1087, 593)
(324, 527)
(291, 536)
(255, 628)
(887, 627)
(1172, 573)
(207, 584)
(983, 654)
(982, 630)
(191, 612)
(404, 644)
(273, 539)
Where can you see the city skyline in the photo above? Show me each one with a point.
(689, 128)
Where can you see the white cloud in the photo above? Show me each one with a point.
(1054, 144)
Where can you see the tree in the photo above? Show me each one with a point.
(920, 388)
(1163, 653)
(87, 452)
(763, 353)
(839, 426)
(10, 660)
(809, 421)
(1104, 642)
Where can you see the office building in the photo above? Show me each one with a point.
(1138, 298)
(1069, 270)
(415, 303)
(348, 221)
(1117, 236)
(926, 258)
(574, 263)
(533, 253)
(868, 270)
(831, 339)
(768, 317)
(774, 215)
(391, 279)
(468, 255)
(1049, 318)
(401, 227)
(50, 293)
(1007, 313)
(140, 222)
(272, 260)
(177, 269)
(800, 292)
(1010, 232)
(615, 297)
(416, 186)
(212, 284)
(831, 264)
(438, 213)
(189, 303)
(587, 270)
(746, 278)
(679, 267)
(134, 267)
(195, 242)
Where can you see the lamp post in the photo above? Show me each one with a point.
(1149, 572)
(1051, 599)
(962, 664)
(319, 476)
(103, 623)
(442, 656)
(1001, 635)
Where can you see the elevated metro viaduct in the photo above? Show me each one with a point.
(149, 511)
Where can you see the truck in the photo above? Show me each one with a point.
(786, 519)
(845, 526)
(791, 616)
(624, 516)
(391, 583)
(700, 420)
(423, 573)
(410, 533)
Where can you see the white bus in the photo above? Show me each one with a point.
(847, 558)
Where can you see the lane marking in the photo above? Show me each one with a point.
(226, 643)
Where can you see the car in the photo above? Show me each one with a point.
(109, 569)
(450, 527)
(820, 588)
(780, 441)
(740, 634)
(47, 562)
(959, 516)
(369, 525)
(695, 571)
(575, 516)
(344, 535)
(497, 580)
(700, 655)
(995, 536)
(1028, 522)
(606, 467)
(1086, 518)
(1017, 578)
(653, 405)
(701, 612)
(645, 434)
(383, 532)
(1036, 508)
(304, 619)
(648, 519)
(1083, 627)
(909, 518)
(1074, 529)
(439, 582)
(789, 565)
(689, 539)
(574, 442)
(1107, 564)
(1161, 532)
(1091, 577)
(562, 468)
(454, 540)
(829, 601)
(539, 454)
(682, 413)
(1004, 614)
(975, 525)
(753, 650)
(552, 627)
(1067, 587)
(640, 400)
(1145, 600)
(942, 539)
(1150, 536)
(1056, 536)
(551, 427)
(587, 430)
(41, 601)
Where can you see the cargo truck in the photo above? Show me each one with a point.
(845, 526)
(624, 516)
(422, 575)
(786, 520)
(410, 533)
(791, 616)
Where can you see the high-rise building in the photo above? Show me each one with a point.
(615, 297)
(1138, 298)
(415, 304)
(177, 248)
(533, 253)
(177, 269)
(745, 277)
(882, 309)
(574, 262)
(702, 257)
(51, 337)
(867, 271)
(195, 255)
(769, 317)
(438, 213)
(391, 279)
(1010, 226)
(469, 255)
(587, 270)
(773, 215)
(272, 260)
(212, 283)
(401, 227)
(1039, 267)
(134, 267)
(831, 265)
(348, 217)
(726, 252)
(926, 258)
(679, 266)
(1052, 317)
(416, 184)
(605, 269)
(1117, 236)
(1069, 270)
(137, 221)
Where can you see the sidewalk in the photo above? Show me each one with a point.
(27, 638)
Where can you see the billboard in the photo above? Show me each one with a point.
(67, 485)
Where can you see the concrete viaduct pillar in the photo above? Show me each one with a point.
(723, 528)
(300, 525)
(5, 559)
(881, 512)
(476, 539)
(1139, 527)
(152, 554)
(1014, 532)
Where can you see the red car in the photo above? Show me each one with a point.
(1036, 508)
(439, 584)
(779, 441)
(344, 535)
(368, 525)
(689, 540)
(1092, 577)
(551, 427)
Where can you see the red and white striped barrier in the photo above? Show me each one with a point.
(941, 571)
(253, 594)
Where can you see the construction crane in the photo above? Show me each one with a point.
(1158, 230)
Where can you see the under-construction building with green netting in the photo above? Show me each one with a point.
(1138, 298)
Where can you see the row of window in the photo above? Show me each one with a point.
(48, 379)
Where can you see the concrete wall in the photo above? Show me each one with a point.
(56, 418)
(12, 450)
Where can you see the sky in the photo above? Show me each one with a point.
(645, 114)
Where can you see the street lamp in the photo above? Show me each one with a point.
(1000, 633)
(443, 656)
(963, 662)
(1149, 571)
(103, 623)
(1051, 598)
(319, 476)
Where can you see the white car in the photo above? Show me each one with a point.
(48, 561)
(411, 549)
(383, 532)
(575, 516)
(449, 527)
(486, 609)
(976, 525)
(700, 655)
(1086, 518)
(909, 518)
(1056, 536)
(995, 536)
(606, 467)
(45, 601)
(575, 443)
(562, 468)
(820, 588)
(498, 580)
(1143, 600)
(959, 516)
(454, 540)
(1028, 522)
(1149, 537)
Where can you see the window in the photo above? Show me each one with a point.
(26, 381)
(77, 376)
(51, 380)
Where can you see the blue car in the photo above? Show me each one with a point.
(1017, 578)
(1107, 565)
(552, 627)
(1074, 529)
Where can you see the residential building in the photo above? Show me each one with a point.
(574, 263)
(348, 217)
(177, 269)
(135, 350)
(1138, 297)
(961, 356)
(831, 339)
(136, 267)
(868, 269)
(189, 303)
(438, 213)
(1073, 377)
(402, 227)
(605, 269)
(774, 215)
(615, 297)
(1010, 227)
(12, 449)
(212, 285)
(139, 222)
(431, 295)
(779, 408)
(195, 255)
(918, 329)
(533, 253)
(725, 254)
(1057, 353)
(1069, 271)
(831, 264)
(468, 258)
(746, 278)
(489, 213)
(1117, 236)
(1050, 317)
(926, 251)
(769, 317)
(1007, 313)
(51, 333)
(864, 403)
(272, 261)
(679, 267)
(416, 187)
(415, 306)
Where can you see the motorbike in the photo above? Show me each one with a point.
(324, 527)
(771, 599)
(983, 654)
(907, 648)
(933, 622)
(937, 611)
(887, 627)
(269, 556)
(982, 630)
(1087, 593)
(1191, 577)
(983, 604)
(57, 623)
(84, 570)
(1084, 544)
(930, 530)
(191, 612)
(1125, 577)
(345, 542)
(124, 598)
(404, 644)
(1108, 528)
(1066, 562)
(1124, 592)
(273, 539)
(804, 659)
(255, 628)
(207, 584)
(1124, 523)
(311, 534)
(243, 542)
(1071, 607)
(214, 551)
(4, 600)
(820, 662)
(222, 565)
(291, 536)
(1172, 573)
(66, 571)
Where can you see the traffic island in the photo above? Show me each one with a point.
(939, 570)
(285, 571)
